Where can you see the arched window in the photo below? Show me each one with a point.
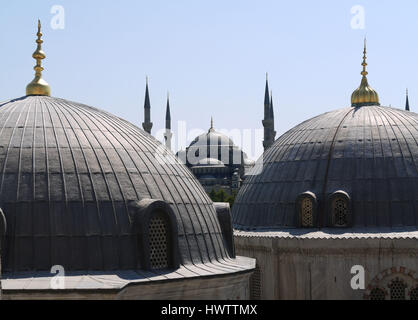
(396, 283)
(397, 289)
(156, 225)
(306, 205)
(340, 209)
(158, 242)
(377, 294)
(307, 212)
(413, 295)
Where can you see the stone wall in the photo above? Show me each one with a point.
(320, 269)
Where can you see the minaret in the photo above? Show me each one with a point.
(147, 124)
(38, 86)
(407, 101)
(273, 132)
(168, 134)
(268, 121)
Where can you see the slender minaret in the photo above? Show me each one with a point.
(273, 132)
(407, 101)
(147, 124)
(268, 121)
(168, 134)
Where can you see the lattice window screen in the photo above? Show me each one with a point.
(414, 294)
(307, 212)
(397, 290)
(377, 294)
(340, 211)
(158, 243)
(255, 284)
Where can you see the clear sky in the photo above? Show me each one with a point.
(212, 56)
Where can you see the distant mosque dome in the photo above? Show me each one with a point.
(216, 161)
(215, 148)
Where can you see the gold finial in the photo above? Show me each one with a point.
(38, 86)
(364, 64)
(364, 95)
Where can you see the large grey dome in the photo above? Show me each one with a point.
(68, 174)
(370, 153)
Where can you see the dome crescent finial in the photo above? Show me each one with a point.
(38, 86)
(364, 95)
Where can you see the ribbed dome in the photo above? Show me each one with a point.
(215, 146)
(212, 138)
(68, 174)
(371, 153)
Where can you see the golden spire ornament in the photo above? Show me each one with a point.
(38, 86)
(364, 95)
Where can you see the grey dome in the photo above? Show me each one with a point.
(371, 153)
(209, 162)
(69, 172)
(212, 138)
(217, 146)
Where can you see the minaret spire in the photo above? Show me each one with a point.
(38, 86)
(407, 101)
(272, 116)
(168, 134)
(267, 99)
(268, 119)
(147, 124)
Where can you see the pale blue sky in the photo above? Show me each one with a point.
(212, 56)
